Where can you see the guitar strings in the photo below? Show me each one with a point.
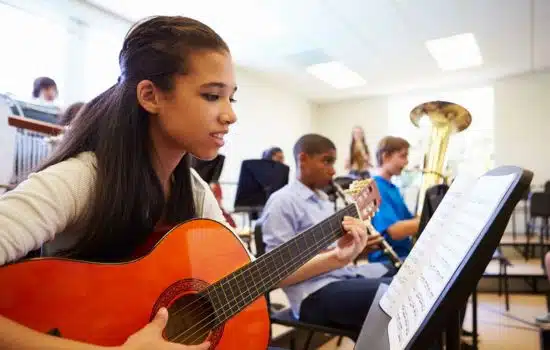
(212, 324)
(268, 281)
(345, 211)
(257, 261)
(209, 326)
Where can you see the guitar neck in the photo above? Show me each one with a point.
(235, 291)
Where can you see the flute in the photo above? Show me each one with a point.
(384, 245)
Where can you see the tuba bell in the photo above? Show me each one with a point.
(445, 119)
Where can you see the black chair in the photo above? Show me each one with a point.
(523, 204)
(539, 208)
(503, 278)
(432, 198)
(286, 317)
(209, 170)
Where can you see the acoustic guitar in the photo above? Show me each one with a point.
(199, 270)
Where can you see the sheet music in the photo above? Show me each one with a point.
(409, 271)
(441, 249)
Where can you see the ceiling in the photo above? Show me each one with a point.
(382, 40)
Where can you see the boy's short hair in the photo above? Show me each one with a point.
(389, 145)
(312, 144)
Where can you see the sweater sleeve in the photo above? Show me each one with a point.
(44, 205)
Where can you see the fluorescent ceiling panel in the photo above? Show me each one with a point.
(336, 74)
(455, 52)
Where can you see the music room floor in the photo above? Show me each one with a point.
(497, 329)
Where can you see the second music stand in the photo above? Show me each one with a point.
(209, 170)
(259, 178)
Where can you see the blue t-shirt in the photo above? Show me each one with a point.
(392, 210)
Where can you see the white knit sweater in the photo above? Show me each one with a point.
(50, 203)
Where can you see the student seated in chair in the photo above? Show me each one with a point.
(394, 220)
(339, 295)
(275, 154)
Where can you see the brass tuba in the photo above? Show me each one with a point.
(445, 118)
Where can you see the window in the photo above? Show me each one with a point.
(32, 46)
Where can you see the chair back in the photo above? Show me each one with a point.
(259, 240)
(433, 197)
(540, 204)
(526, 194)
(547, 187)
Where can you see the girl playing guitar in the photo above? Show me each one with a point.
(121, 171)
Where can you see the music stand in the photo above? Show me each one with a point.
(444, 314)
(209, 170)
(344, 182)
(258, 179)
(434, 195)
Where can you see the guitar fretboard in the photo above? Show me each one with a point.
(237, 290)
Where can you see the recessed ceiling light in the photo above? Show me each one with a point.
(455, 52)
(336, 74)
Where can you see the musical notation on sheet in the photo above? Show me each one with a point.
(455, 226)
(429, 239)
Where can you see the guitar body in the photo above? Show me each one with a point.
(103, 304)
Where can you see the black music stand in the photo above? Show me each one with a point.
(434, 195)
(444, 315)
(258, 179)
(209, 170)
(344, 182)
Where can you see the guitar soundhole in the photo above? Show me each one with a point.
(191, 319)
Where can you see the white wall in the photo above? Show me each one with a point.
(62, 29)
(522, 125)
(336, 121)
(268, 115)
